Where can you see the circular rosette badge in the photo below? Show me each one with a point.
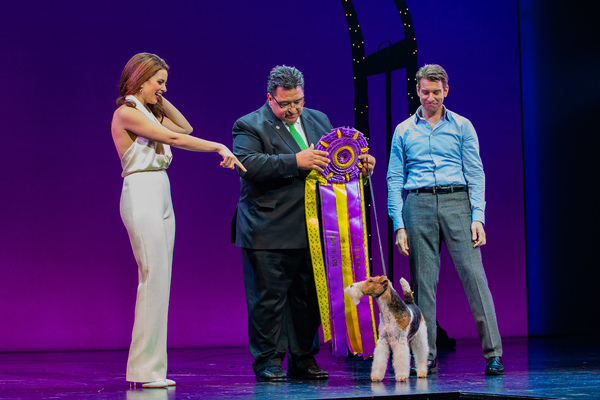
(344, 145)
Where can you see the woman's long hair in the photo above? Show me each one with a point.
(137, 71)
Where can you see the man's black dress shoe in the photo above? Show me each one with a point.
(494, 366)
(310, 372)
(274, 373)
(431, 368)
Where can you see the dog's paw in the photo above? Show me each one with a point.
(422, 372)
(402, 378)
(376, 378)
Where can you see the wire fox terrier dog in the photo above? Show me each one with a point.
(401, 324)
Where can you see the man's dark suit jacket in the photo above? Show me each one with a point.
(270, 212)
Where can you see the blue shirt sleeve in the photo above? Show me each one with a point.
(396, 178)
(473, 171)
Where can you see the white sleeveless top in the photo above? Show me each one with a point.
(141, 155)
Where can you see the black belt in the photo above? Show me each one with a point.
(441, 189)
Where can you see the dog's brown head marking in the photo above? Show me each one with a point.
(378, 285)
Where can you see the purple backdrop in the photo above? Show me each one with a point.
(68, 274)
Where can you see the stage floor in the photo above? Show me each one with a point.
(539, 368)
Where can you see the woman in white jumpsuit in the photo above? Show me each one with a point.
(144, 126)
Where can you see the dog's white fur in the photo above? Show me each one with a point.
(397, 330)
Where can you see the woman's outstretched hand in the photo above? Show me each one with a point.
(229, 160)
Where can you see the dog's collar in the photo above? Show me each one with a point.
(384, 290)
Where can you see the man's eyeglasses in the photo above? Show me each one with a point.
(286, 105)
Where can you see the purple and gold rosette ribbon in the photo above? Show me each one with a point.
(338, 242)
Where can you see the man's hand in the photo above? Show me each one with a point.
(478, 234)
(370, 164)
(312, 159)
(402, 241)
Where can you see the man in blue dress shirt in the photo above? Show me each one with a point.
(435, 159)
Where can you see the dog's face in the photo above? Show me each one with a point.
(373, 286)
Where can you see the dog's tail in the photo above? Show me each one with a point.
(408, 294)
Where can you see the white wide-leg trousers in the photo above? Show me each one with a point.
(147, 212)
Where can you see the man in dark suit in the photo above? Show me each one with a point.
(276, 145)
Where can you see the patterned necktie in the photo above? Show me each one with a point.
(297, 137)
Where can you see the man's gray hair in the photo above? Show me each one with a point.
(284, 77)
(432, 72)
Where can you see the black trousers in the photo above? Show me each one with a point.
(283, 311)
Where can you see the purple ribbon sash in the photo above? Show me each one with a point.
(333, 257)
(345, 241)
(359, 261)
